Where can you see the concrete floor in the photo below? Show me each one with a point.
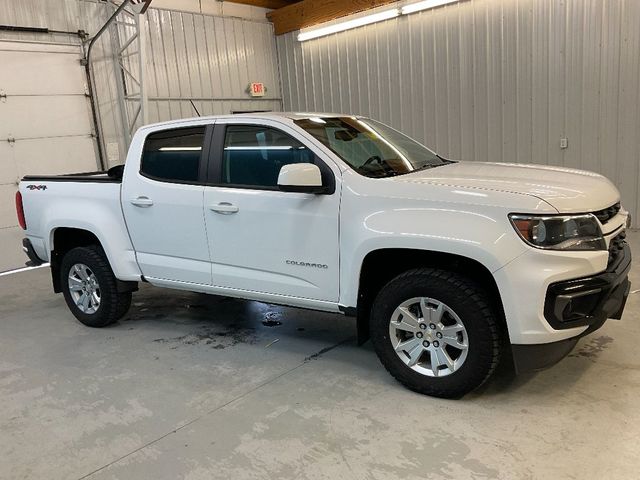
(190, 386)
(11, 254)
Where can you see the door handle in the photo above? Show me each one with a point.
(143, 202)
(225, 208)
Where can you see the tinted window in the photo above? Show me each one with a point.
(254, 155)
(173, 155)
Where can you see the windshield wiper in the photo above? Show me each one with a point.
(427, 167)
(445, 160)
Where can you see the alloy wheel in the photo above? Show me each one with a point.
(84, 288)
(428, 336)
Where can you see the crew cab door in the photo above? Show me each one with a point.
(262, 239)
(162, 205)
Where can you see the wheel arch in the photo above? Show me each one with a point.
(380, 266)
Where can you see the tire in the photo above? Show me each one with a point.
(457, 301)
(96, 275)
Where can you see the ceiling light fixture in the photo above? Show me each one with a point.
(424, 5)
(359, 21)
(348, 25)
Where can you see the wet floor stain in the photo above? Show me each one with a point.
(271, 323)
(207, 321)
(213, 337)
(593, 348)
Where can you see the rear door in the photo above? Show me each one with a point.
(260, 238)
(163, 208)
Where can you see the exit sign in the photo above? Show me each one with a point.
(256, 89)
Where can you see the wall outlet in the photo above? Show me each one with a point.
(564, 143)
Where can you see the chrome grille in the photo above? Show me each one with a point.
(608, 213)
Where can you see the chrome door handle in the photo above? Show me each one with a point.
(143, 202)
(225, 208)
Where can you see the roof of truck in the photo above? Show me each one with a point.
(293, 115)
(266, 115)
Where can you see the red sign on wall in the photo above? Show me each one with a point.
(256, 89)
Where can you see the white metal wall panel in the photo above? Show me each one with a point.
(207, 59)
(490, 80)
(210, 60)
(60, 15)
(45, 124)
(71, 16)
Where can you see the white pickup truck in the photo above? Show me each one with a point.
(447, 265)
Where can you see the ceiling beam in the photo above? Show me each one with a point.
(312, 12)
(272, 4)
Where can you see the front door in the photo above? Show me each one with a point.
(262, 239)
(163, 209)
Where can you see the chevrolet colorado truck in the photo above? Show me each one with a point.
(447, 265)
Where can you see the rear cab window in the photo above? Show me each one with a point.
(174, 156)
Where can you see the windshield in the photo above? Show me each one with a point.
(370, 147)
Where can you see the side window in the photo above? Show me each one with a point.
(253, 155)
(173, 155)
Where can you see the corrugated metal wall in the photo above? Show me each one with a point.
(53, 14)
(206, 59)
(210, 60)
(490, 80)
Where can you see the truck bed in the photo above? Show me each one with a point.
(113, 175)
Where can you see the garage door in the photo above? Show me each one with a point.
(45, 117)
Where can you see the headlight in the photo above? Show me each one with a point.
(560, 232)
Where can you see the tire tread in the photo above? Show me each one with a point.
(113, 304)
(473, 293)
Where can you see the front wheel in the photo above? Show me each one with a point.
(90, 287)
(435, 332)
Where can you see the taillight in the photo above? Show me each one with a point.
(20, 211)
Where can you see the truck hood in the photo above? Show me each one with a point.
(567, 190)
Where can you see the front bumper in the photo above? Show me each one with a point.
(583, 302)
(590, 300)
(531, 358)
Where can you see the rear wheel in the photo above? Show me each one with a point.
(435, 332)
(90, 287)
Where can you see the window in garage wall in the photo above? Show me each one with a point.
(490, 80)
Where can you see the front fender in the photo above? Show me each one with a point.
(487, 239)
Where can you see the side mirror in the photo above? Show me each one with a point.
(300, 177)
